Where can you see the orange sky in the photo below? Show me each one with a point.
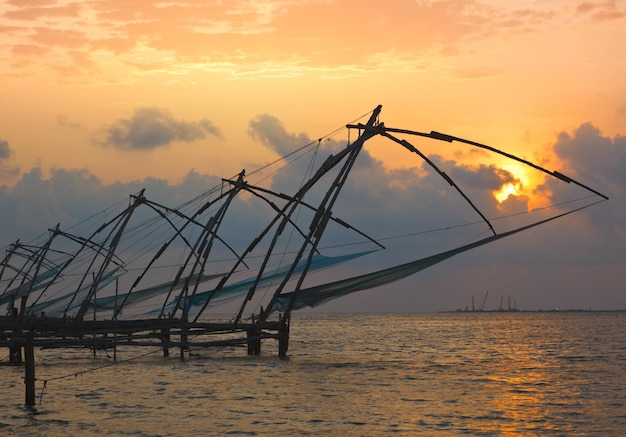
(511, 74)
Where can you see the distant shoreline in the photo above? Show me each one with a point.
(556, 310)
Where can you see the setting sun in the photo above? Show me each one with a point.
(522, 181)
(516, 182)
(506, 190)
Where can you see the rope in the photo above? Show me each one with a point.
(411, 234)
(77, 374)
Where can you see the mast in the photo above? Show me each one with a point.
(319, 222)
(5, 263)
(42, 257)
(138, 200)
(195, 252)
(209, 233)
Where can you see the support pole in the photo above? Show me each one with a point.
(183, 341)
(15, 348)
(29, 370)
(283, 336)
(254, 340)
(15, 353)
(115, 312)
(183, 331)
(93, 274)
(165, 336)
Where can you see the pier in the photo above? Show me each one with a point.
(22, 337)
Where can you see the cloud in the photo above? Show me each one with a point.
(5, 150)
(152, 127)
(597, 161)
(242, 38)
(7, 172)
(602, 11)
(270, 132)
(64, 121)
(68, 197)
(593, 155)
(39, 10)
(412, 211)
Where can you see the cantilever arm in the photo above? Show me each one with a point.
(449, 138)
(413, 149)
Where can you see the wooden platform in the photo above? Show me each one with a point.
(25, 334)
(166, 333)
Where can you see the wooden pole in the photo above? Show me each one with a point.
(283, 335)
(254, 340)
(115, 314)
(183, 330)
(29, 370)
(165, 333)
(15, 348)
(94, 310)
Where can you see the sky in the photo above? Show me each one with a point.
(101, 98)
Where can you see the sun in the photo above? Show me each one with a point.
(524, 182)
(507, 190)
(518, 184)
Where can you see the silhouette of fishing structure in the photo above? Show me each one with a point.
(151, 275)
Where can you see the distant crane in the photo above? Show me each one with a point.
(482, 305)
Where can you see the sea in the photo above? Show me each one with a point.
(436, 374)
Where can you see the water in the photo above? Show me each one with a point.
(499, 374)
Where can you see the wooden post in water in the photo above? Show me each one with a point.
(165, 336)
(183, 330)
(15, 348)
(15, 353)
(29, 370)
(117, 282)
(283, 335)
(93, 274)
(183, 340)
(254, 341)
(253, 337)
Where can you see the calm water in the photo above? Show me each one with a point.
(504, 374)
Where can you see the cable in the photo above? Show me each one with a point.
(76, 374)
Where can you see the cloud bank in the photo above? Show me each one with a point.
(387, 204)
